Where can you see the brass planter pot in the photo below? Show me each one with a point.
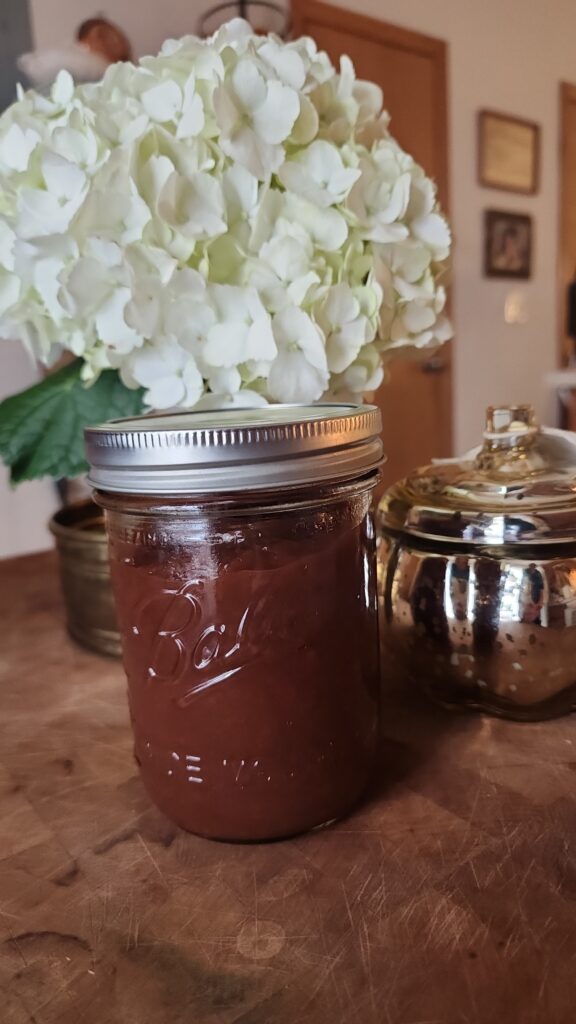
(85, 574)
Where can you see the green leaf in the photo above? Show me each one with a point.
(42, 428)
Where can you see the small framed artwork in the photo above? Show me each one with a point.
(508, 152)
(507, 244)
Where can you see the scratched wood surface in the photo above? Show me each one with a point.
(449, 898)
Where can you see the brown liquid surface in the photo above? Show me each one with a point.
(252, 668)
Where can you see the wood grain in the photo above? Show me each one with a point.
(448, 898)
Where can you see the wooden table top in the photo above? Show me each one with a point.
(449, 898)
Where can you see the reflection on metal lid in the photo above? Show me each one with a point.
(519, 487)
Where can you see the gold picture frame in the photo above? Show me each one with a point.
(508, 152)
(507, 244)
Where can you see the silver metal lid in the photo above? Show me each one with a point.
(230, 450)
(519, 487)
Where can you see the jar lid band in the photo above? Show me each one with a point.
(231, 450)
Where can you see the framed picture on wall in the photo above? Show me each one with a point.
(508, 152)
(507, 244)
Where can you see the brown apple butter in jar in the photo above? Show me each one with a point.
(242, 556)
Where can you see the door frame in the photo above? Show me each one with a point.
(306, 12)
(565, 262)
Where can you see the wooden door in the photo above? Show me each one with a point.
(416, 398)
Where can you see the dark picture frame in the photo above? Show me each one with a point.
(508, 152)
(507, 244)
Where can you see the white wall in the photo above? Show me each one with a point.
(24, 510)
(505, 54)
(147, 22)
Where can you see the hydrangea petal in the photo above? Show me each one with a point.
(111, 323)
(162, 102)
(17, 146)
(293, 378)
(249, 86)
(434, 231)
(284, 62)
(275, 117)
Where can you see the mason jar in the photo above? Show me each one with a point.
(243, 565)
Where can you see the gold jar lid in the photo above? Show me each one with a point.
(519, 487)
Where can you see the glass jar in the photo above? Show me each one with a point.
(477, 573)
(242, 558)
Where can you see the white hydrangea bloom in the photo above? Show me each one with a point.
(228, 223)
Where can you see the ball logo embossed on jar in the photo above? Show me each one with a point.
(180, 648)
(161, 625)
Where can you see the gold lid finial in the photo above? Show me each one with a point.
(509, 437)
(509, 419)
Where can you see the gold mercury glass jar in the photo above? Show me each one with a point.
(477, 573)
